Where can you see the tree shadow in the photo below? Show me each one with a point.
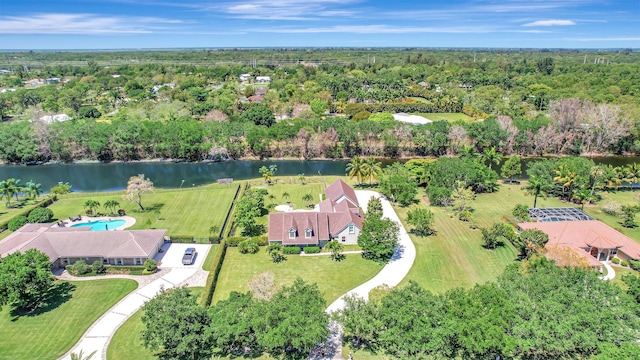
(155, 207)
(60, 293)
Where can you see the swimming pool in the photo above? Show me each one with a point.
(102, 225)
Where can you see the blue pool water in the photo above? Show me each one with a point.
(102, 225)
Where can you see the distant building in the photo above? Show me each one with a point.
(54, 80)
(262, 91)
(7, 90)
(245, 77)
(50, 119)
(411, 119)
(157, 88)
(263, 79)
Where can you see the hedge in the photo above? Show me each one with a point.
(291, 250)
(235, 240)
(214, 272)
(5, 224)
(615, 261)
(181, 238)
(635, 264)
(312, 250)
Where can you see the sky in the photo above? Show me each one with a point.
(133, 24)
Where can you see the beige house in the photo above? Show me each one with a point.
(338, 217)
(592, 240)
(66, 245)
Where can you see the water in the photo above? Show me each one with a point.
(102, 225)
(114, 176)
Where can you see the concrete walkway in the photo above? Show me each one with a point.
(399, 265)
(391, 274)
(99, 335)
(611, 274)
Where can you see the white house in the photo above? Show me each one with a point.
(245, 77)
(263, 79)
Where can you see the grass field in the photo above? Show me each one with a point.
(451, 117)
(333, 278)
(127, 344)
(51, 331)
(184, 212)
(16, 207)
(454, 256)
(295, 190)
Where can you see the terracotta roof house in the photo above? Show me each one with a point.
(592, 240)
(338, 217)
(67, 245)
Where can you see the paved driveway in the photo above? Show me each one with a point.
(100, 333)
(172, 255)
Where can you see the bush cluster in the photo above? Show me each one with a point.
(150, 266)
(615, 261)
(248, 247)
(312, 250)
(40, 215)
(291, 250)
(521, 212)
(17, 222)
(634, 264)
(236, 240)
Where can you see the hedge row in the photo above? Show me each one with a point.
(234, 241)
(312, 250)
(291, 250)
(214, 272)
(186, 239)
(5, 224)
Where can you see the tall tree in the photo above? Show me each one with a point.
(136, 187)
(512, 168)
(356, 168)
(373, 169)
(422, 220)
(491, 156)
(92, 205)
(378, 239)
(397, 184)
(176, 327)
(33, 189)
(25, 279)
(536, 186)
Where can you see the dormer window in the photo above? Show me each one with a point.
(308, 233)
(352, 229)
(292, 233)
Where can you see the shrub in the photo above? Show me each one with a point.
(611, 208)
(615, 261)
(439, 196)
(311, 249)
(261, 240)
(248, 247)
(150, 265)
(214, 272)
(182, 238)
(291, 250)
(521, 212)
(465, 215)
(635, 264)
(234, 241)
(624, 263)
(98, 267)
(81, 267)
(17, 222)
(40, 215)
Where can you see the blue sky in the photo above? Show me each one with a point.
(111, 24)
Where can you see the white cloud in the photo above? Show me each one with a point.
(550, 23)
(285, 9)
(379, 29)
(83, 24)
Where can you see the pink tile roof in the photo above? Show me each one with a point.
(338, 189)
(80, 242)
(585, 234)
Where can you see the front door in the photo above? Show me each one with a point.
(594, 252)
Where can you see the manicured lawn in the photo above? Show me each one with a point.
(20, 206)
(295, 190)
(52, 331)
(184, 212)
(451, 117)
(454, 256)
(127, 344)
(622, 197)
(333, 278)
(206, 265)
(620, 272)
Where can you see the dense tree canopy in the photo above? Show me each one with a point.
(25, 279)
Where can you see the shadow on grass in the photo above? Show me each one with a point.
(155, 207)
(59, 294)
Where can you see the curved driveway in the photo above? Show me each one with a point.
(100, 333)
(399, 265)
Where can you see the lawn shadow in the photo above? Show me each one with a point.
(60, 293)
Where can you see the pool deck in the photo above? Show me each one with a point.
(128, 221)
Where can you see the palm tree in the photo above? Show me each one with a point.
(14, 185)
(582, 195)
(307, 198)
(111, 204)
(356, 168)
(536, 186)
(491, 156)
(6, 192)
(633, 173)
(373, 169)
(467, 152)
(33, 189)
(91, 205)
(566, 178)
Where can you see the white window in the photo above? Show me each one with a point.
(308, 233)
(352, 229)
(292, 233)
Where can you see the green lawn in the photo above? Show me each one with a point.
(52, 331)
(451, 117)
(295, 190)
(208, 261)
(184, 212)
(20, 206)
(127, 344)
(333, 278)
(454, 256)
(622, 197)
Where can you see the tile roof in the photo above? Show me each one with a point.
(80, 242)
(339, 189)
(585, 234)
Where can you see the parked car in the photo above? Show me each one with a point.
(189, 256)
